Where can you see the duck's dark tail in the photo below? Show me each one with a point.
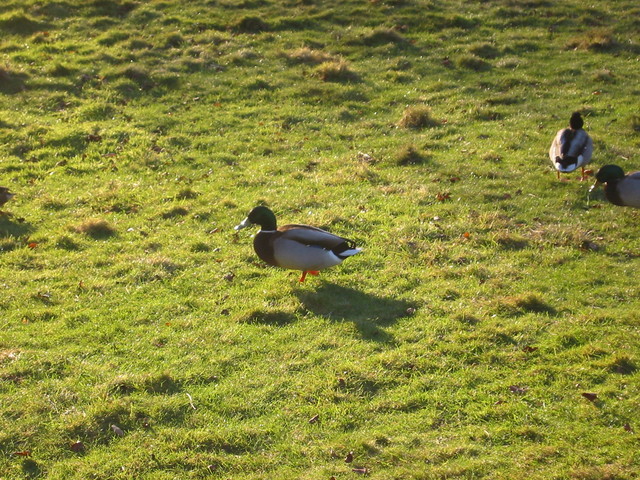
(345, 249)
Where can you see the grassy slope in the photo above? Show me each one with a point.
(457, 346)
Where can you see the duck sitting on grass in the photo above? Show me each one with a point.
(5, 196)
(620, 189)
(572, 147)
(296, 247)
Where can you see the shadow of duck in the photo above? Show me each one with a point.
(369, 313)
(11, 226)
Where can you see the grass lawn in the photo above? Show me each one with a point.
(489, 329)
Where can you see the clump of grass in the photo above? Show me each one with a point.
(258, 84)
(11, 82)
(141, 76)
(242, 56)
(410, 155)
(335, 71)
(97, 111)
(97, 229)
(121, 385)
(20, 24)
(7, 245)
(473, 62)
(484, 114)
(112, 38)
(174, 40)
(383, 36)
(521, 304)
(509, 62)
(60, 70)
(67, 243)
(139, 44)
(250, 24)
(162, 383)
(417, 117)
(460, 21)
(484, 50)
(599, 39)
(634, 122)
(604, 76)
(623, 365)
(511, 242)
(187, 194)
(175, 212)
(309, 56)
(492, 157)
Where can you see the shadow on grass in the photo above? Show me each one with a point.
(369, 313)
(30, 468)
(277, 318)
(12, 226)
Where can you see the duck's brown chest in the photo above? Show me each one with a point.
(612, 194)
(263, 246)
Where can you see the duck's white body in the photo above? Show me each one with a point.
(580, 151)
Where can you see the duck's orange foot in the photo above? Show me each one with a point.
(310, 272)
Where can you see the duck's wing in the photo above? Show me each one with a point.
(312, 236)
(587, 151)
(555, 149)
(629, 190)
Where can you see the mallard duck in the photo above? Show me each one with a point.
(620, 189)
(5, 195)
(571, 147)
(296, 247)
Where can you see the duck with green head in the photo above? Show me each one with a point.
(296, 247)
(620, 189)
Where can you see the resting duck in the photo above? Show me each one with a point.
(5, 195)
(296, 247)
(619, 189)
(572, 147)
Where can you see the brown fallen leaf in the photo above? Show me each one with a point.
(349, 457)
(77, 446)
(529, 349)
(442, 196)
(628, 428)
(592, 397)
(342, 382)
(23, 453)
(518, 389)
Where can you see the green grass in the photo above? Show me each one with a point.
(488, 299)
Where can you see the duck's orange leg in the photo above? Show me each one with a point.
(585, 174)
(310, 272)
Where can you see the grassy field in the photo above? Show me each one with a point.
(489, 329)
